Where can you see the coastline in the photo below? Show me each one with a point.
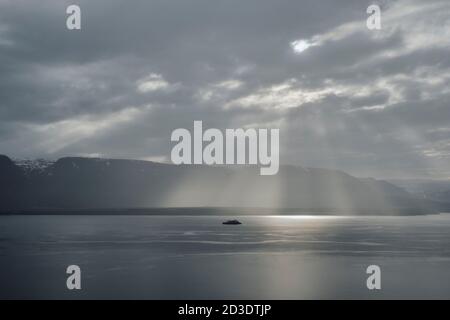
(215, 211)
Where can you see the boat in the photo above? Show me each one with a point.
(231, 222)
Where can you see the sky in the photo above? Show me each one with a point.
(368, 102)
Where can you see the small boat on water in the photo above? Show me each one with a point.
(231, 222)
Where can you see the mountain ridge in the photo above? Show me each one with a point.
(77, 183)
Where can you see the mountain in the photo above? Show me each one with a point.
(434, 191)
(11, 183)
(79, 183)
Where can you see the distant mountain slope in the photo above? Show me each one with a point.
(435, 191)
(75, 183)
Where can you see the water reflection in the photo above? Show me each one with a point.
(271, 257)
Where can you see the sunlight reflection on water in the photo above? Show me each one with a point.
(267, 257)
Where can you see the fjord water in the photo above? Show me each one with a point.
(196, 257)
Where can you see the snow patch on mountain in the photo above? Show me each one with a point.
(29, 165)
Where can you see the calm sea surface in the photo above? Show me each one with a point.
(185, 257)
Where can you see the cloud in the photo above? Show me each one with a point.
(368, 102)
(56, 136)
(301, 45)
(153, 82)
(229, 84)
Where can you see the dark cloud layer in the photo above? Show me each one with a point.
(368, 102)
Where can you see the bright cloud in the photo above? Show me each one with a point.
(301, 45)
(153, 82)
